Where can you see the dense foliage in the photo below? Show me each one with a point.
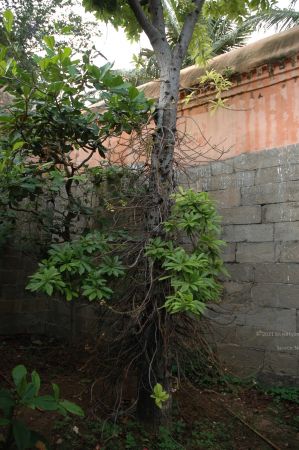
(45, 121)
(35, 19)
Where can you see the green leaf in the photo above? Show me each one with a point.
(72, 408)
(56, 391)
(5, 118)
(8, 20)
(46, 402)
(49, 41)
(19, 373)
(67, 29)
(28, 394)
(21, 434)
(35, 378)
(17, 145)
(67, 51)
(159, 395)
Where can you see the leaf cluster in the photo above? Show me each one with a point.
(81, 268)
(192, 273)
(159, 395)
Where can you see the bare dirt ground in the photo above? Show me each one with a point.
(211, 417)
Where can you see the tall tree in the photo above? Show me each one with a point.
(151, 17)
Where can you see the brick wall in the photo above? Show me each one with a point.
(256, 326)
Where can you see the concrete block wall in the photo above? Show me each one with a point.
(22, 312)
(256, 327)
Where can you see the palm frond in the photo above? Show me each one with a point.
(227, 35)
(281, 19)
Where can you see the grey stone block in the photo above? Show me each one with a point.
(286, 231)
(270, 193)
(277, 174)
(276, 295)
(272, 319)
(255, 252)
(236, 292)
(248, 233)
(264, 339)
(280, 212)
(195, 177)
(268, 158)
(288, 252)
(241, 361)
(10, 292)
(226, 314)
(227, 198)
(240, 272)
(8, 307)
(229, 253)
(291, 154)
(276, 273)
(273, 379)
(11, 262)
(261, 159)
(241, 215)
(283, 362)
(199, 184)
(10, 276)
(219, 333)
(202, 171)
(234, 180)
(22, 323)
(220, 167)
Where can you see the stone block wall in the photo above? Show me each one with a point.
(256, 327)
(22, 312)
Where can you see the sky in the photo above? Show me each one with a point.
(115, 46)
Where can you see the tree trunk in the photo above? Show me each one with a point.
(161, 175)
(156, 367)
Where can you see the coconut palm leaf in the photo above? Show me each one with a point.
(281, 19)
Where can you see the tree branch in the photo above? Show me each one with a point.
(187, 30)
(151, 31)
(156, 11)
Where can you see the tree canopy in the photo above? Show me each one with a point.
(35, 19)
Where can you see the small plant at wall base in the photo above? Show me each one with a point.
(25, 394)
